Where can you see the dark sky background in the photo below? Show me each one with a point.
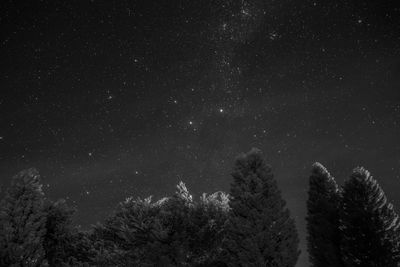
(110, 99)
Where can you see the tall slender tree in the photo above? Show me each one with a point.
(370, 226)
(22, 222)
(260, 231)
(323, 203)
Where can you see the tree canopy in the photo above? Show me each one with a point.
(260, 231)
(323, 204)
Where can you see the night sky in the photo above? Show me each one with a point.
(109, 99)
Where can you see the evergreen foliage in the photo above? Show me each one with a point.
(175, 231)
(260, 231)
(23, 221)
(370, 226)
(352, 227)
(323, 219)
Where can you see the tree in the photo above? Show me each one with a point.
(260, 231)
(203, 227)
(22, 222)
(61, 238)
(133, 235)
(370, 226)
(208, 220)
(323, 219)
(174, 231)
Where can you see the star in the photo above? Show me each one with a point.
(245, 12)
(273, 36)
(221, 110)
(90, 154)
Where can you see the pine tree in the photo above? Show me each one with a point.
(22, 222)
(323, 219)
(260, 231)
(370, 226)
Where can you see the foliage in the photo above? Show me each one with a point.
(252, 226)
(170, 232)
(260, 231)
(370, 226)
(323, 219)
(63, 244)
(22, 222)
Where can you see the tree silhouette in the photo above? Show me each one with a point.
(22, 221)
(370, 226)
(260, 231)
(174, 231)
(323, 219)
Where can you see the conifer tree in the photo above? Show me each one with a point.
(22, 222)
(260, 231)
(323, 219)
(370, 225)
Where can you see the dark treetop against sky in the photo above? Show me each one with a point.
(110, 99)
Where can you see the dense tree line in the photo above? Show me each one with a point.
(349, 225)
(353, 225)
(251, 226)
